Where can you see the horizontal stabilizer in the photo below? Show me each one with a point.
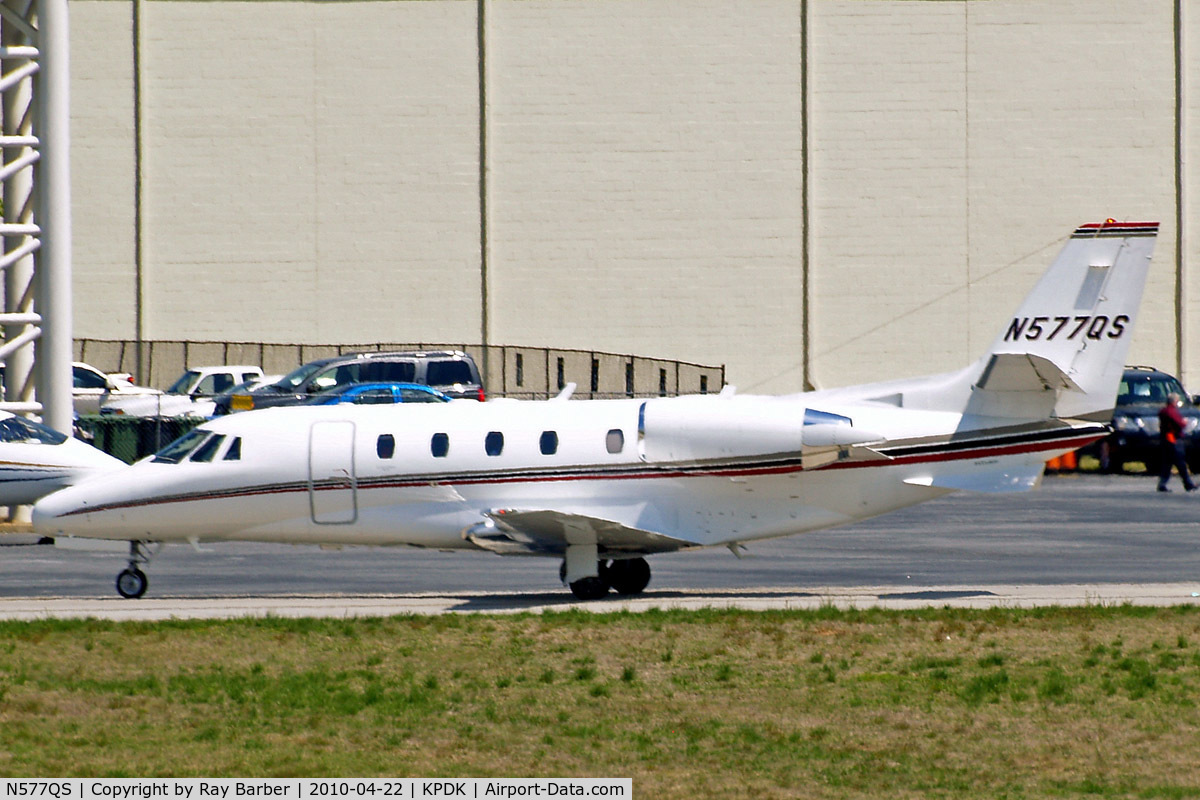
(543, 532)
(998, 481)
(1025, 372)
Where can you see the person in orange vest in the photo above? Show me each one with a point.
(1171, 449)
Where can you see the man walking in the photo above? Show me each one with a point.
(1171, 449)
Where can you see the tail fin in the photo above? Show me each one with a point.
(1063, 352)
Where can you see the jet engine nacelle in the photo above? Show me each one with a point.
(698, 428)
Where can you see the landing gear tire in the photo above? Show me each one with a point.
(131, 583)
(590, 588)
(627, 576)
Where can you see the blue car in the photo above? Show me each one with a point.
(379, 394)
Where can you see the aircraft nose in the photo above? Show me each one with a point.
(49, 512)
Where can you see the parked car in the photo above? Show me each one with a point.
(1142, 393)
(183, 396)
(451, 372)
(378, 394)
(92, 387)
(207, 406)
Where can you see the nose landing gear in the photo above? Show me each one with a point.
(131, 581)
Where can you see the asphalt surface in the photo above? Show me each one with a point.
(1079, 538)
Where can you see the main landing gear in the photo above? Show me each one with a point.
(131, 581)
(625, 576)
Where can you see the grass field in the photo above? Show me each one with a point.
(1090, 702)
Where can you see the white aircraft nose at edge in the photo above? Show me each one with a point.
(36, 460)
(601, 484)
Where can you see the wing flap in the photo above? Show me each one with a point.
(548, 532)
(998, 481)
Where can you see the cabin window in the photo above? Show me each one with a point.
(439, 445)
(385, 446)
(234, 453)
(205, 452)
(615, 440)
(493, 444)
(549, 443)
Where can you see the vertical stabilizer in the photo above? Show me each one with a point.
(1064, 349)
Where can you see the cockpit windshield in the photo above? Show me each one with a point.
(178, 450)
(19, 429)
(200, 447)
(205, 452)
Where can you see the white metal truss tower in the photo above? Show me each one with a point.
(36, 226)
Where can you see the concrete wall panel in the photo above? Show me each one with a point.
(956, 145)
(102, 169)
(645, 172)
(311, 173)
(1069, 123)
(889, 189)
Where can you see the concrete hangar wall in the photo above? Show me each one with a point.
(805, 190)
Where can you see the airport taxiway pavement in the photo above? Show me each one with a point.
(890, 597)
(1079, 539)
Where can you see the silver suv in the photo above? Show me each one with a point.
(451, 372)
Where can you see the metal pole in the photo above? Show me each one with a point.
(19, 67)
(485, 311)
(1182, 220)
(53, 195)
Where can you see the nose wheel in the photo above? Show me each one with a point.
(131, 581)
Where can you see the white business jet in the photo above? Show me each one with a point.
(602, 484)
(36, 460)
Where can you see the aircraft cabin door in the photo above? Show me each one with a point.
(332, 484)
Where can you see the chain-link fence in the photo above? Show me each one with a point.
(522, 372)
(529, 373)
(131, 438)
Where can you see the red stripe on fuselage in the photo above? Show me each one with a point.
(983, 451)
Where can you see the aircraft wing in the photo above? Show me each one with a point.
(546, 532)
(998, 481)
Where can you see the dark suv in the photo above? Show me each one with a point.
(451, 372)
(1142, 393)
